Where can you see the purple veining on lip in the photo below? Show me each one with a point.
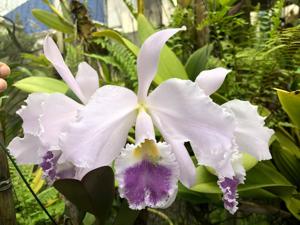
(49, 165)
(52, 170)
(147, 181)
(229, 189)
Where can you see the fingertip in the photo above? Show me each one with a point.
(3, 85)
(4, 70)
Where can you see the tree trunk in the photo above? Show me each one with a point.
(153, 11)
(200, 15)
(7, 207)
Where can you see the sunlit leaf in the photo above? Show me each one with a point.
(41, 84)
(290, 102)
(117, 37)
(51, 20)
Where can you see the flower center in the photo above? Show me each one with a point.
(147, 150)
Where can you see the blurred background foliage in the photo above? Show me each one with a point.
(258, 40)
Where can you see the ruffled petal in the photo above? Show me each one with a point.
(185, 113)
(147, 175)
(53, 54)
(148, 59)
(211, 80)
(58, 111)
(27, 150)
(31, 113)
(88, 80)
(101, 129)
(250, 133)
(230, 195)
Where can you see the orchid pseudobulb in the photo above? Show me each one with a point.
(148, 171)
(46, 115)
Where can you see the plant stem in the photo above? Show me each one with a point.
(26, 183)
(162, 215)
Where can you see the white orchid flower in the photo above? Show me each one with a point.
(148, 171)
(46, 115)
(250, 134)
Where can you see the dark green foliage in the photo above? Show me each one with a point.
(93, 194)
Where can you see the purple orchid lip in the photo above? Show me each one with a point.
(147, 182)
(230, 195)
(147, 174)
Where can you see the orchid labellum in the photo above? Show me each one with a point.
(148, 171)
(46, 115)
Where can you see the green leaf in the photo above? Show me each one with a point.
(89, 219)
(52, 21)
(94, 193)
(287, 143)
(126, 216)
(117, 37)
(41, 84)
(169, 66)
(197, 61)
(293, 205)
(290, 102)
(263, 175)
(286, 162)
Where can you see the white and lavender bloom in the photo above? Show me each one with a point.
(250, 135)
(46, 115)
(148, 171)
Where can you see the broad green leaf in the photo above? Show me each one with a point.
(52, 21)
(94, 193)
(41, 84)
(117, 37)
(197, 61)
(169, 66)
(290, 102)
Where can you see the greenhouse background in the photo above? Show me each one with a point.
(149, 112)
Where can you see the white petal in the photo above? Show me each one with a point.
(250, 133)
(88, 80)
(31, 113)
(58, 111)
(185, 113)
(27, 150)
(211, 80)
(101, 129)
(53, 54)
(144, 127)
(148, 58)
(187, 167)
